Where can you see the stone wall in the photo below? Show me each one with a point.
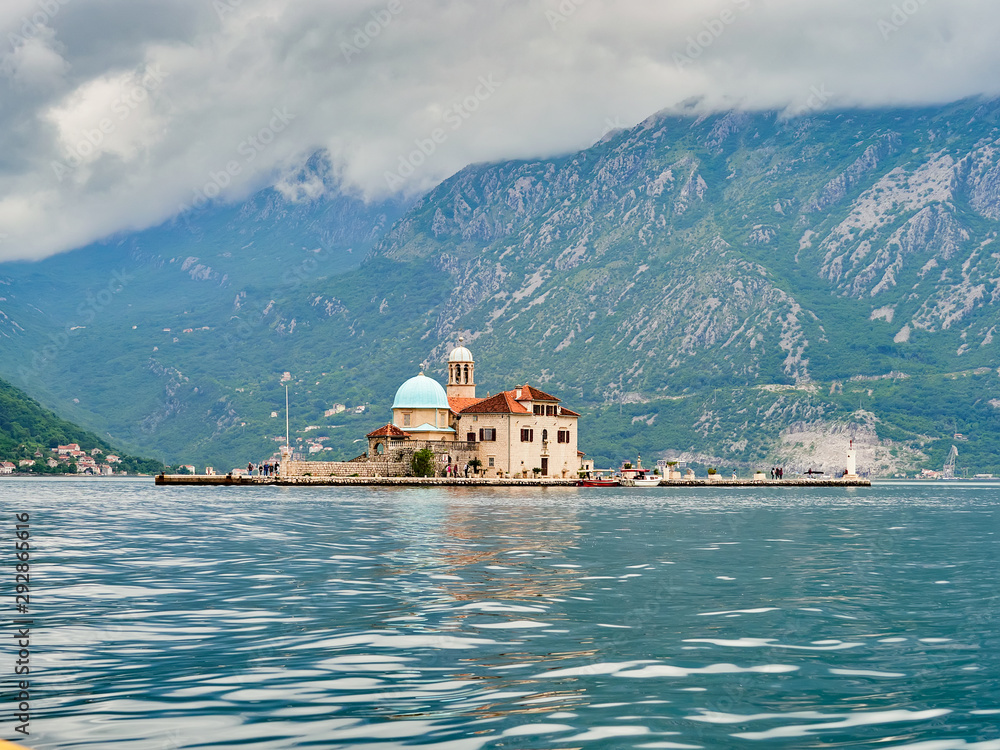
(368, 469)
(394, 463)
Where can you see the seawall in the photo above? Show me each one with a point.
(224, 480)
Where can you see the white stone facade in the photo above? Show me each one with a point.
(522, 442)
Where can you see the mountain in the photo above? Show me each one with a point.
(27, 431)
(94, 333)
(738, 289)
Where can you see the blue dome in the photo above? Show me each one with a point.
(421, 392)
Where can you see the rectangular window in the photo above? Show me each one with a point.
(527, 435)
(470, 437)
(550, 411)
(563, 436)
(491, 461)
(487, 434)
(406, 420)
(539, 410)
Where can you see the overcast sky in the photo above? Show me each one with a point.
(114, 114)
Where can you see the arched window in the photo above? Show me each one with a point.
(545, 434)
(466, 374)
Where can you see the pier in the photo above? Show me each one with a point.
(227, 480)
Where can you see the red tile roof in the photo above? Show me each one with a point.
(459, 404)
(390, 430)
(506, 402)
(502, 403)
(533, 394)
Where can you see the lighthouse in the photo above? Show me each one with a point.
(852, 462)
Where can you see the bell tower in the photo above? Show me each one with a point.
(461, 373)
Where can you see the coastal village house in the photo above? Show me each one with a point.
(511, 433)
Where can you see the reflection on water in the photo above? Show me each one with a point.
(454, 619)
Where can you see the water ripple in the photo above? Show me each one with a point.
(465, 620)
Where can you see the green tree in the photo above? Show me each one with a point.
(422, 464)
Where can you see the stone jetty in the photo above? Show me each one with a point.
(227, 480)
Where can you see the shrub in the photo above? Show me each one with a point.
(422, 464)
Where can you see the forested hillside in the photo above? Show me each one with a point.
(27, 431)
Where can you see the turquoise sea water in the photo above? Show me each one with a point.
(520, 618)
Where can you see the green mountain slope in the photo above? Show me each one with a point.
(734, 289)
(29, 432)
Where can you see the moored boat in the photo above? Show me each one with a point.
(647, 480)
(638, 476)
(598, 478)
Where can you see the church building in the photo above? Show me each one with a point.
(512, 433)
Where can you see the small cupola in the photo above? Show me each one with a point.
(461, 372)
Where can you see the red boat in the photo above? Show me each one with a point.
(596, 478)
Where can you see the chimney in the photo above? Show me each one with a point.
(517, 393)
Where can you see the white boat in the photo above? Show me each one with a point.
(638, 477)
(653, 481)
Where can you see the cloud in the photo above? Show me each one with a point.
(116, 115)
